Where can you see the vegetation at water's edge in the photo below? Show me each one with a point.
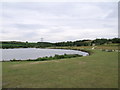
(15, 44)
(52, 57)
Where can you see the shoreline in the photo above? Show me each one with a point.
(49, 57)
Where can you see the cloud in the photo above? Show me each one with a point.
(58, 21)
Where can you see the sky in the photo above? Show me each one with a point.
(58, 21)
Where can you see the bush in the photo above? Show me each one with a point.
(52, 58)
(58, 57)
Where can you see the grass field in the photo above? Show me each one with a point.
(109, 47)
(99, 70)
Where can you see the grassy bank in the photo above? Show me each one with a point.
(109, 47)
(99, 70)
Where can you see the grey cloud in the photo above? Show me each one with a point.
(28, 26)
(59, 21)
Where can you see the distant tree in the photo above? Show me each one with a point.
(115, 40)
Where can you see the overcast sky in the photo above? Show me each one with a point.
(58, 21)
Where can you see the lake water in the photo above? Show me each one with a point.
(34, 53)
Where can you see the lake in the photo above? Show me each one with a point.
(34, 53)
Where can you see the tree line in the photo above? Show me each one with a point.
(16, 44)
(88, 42)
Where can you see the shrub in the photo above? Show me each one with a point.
(58, 57)
(52, 58)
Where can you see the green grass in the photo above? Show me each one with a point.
(109, 46)
(99, 70)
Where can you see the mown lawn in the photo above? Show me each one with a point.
(99, 70)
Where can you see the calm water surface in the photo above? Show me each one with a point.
(34, 53)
